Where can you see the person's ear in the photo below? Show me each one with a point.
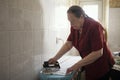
(81, 16)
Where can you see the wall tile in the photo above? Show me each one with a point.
(28, 18)
(28, 4)
(36, 5)
(16, 19)
(4, 44)
(37, 21)
(20, 77)
(16, 60)
(37, 60)
(4, 3)
(4, 68)
(16, 42)
(15, 3)
(28, 41)
(16, 65)
(45, 41)
(28, 61)
(4, 17)
(28, 75)
(37, 40)
(37, 52)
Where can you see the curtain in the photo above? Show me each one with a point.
(106, 17)
(66, 2)
(73, 2)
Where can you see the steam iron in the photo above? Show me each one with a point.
(50, 68)
(48, 65)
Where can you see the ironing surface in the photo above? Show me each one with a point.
(65, 62)
(60, 73)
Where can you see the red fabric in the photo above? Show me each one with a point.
(92, 39)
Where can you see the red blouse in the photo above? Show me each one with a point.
(92, 39)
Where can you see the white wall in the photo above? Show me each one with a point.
(27, 37)
(114, 29)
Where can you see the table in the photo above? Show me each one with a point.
(65, 62)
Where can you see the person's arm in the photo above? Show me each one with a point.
(92, 57)
(66, 47)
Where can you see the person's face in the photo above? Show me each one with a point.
(75, 22)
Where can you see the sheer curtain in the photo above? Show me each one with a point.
(67, 2)
(73, 2)
(106, 16)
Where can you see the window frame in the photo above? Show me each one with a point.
(94, 2)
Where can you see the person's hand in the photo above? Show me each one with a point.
(73, 68)
(52, 60)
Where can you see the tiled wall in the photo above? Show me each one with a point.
(114, 29)
(27, 37)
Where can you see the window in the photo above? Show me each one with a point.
(93, 13)
(61, 20)
(93, 9)
(62, 25)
